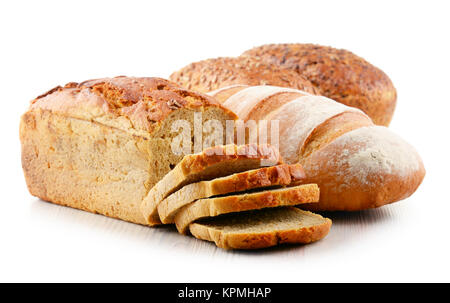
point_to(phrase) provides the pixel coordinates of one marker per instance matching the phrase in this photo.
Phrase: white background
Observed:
(46, 43)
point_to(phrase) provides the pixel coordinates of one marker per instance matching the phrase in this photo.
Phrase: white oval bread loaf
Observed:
(280, 175)
(212, 207)
(364, 168)
(262, 228)
(356, 164)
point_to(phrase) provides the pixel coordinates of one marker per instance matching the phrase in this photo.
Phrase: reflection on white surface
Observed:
(347, 227)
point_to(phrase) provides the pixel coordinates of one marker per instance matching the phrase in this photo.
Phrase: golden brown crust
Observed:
(262, 177)
(338, 74)
(280, 175)
(145, 102)
(299, 118)
(211, 74)
(258, 241)
(303, 235)
(308, 193)
(226, 153)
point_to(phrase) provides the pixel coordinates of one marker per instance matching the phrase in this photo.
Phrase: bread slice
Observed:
(262, 177)
(213, 207)
(262, 228)
(209, 164)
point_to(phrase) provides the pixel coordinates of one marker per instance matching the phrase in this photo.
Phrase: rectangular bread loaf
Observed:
(102, 144)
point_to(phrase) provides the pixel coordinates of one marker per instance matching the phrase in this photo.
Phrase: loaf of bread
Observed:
(356, 164)
(337, 74)
(101, 145)
(262, 228)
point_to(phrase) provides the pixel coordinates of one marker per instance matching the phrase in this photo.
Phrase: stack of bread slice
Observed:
(240, 197)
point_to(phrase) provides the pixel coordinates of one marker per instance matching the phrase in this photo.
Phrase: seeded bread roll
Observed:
(262, 228)
(337, 74)
(211, 74)
(100, 145)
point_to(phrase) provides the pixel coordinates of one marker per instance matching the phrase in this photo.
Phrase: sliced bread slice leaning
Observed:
(279, 175)
(262, 228)
(213, 207)
(211, 163)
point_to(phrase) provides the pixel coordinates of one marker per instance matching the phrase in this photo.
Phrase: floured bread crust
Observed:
(365, 168)
(312, 129)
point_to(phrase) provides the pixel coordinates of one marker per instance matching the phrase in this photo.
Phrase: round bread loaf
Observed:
(211, 74)
(338, 74)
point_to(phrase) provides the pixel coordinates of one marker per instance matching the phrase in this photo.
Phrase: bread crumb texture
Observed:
(262, 228)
